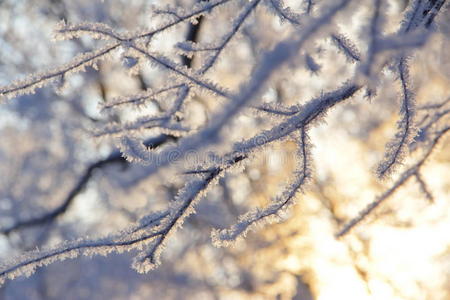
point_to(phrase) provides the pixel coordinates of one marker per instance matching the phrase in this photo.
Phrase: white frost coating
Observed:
(413, 171)
(271, 61)
(198, 9)
(277, 109)
(181, 71)
(139, 98)
(259, 217)
(164, 121)
(150, 235)
(102, 31)
(39, 80)
(307, 114)
(397, 147)
(347, 47)
(125, 241)
(99, 31)
(237, 23)
(133, 149)
(310, 112)
(277, 7)
(179, 210)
